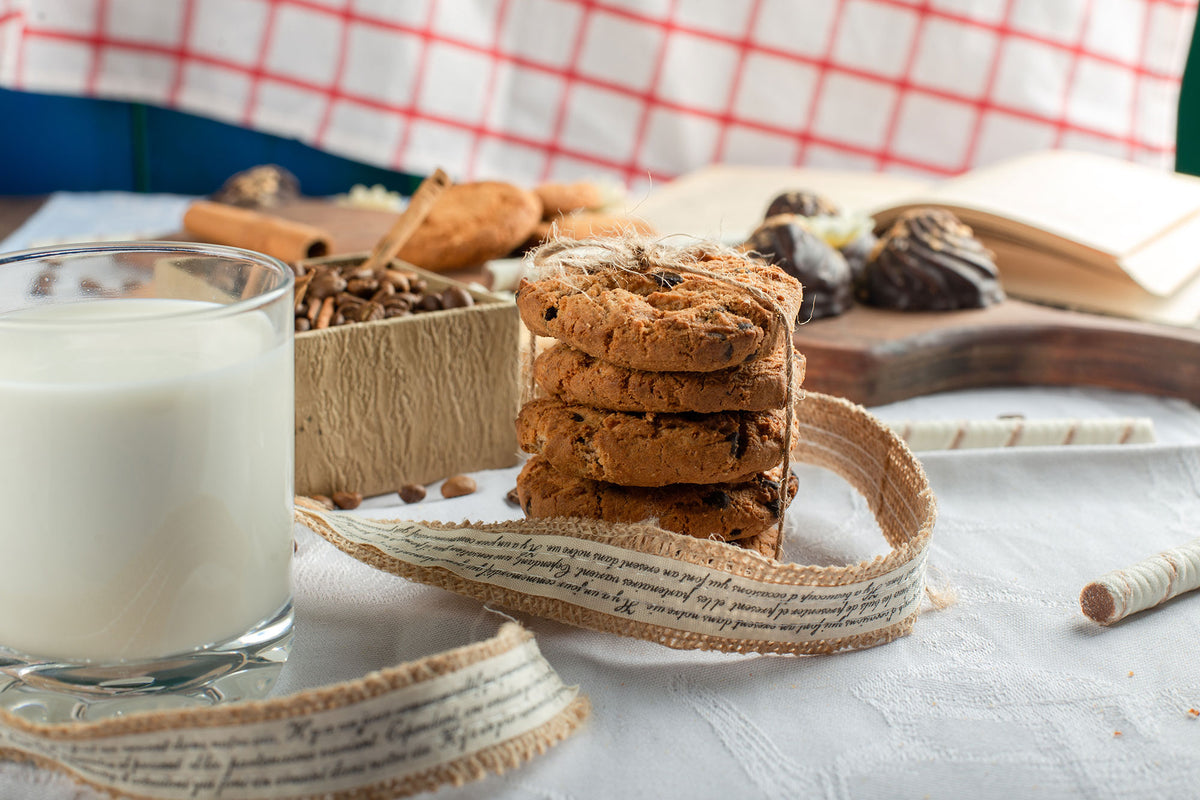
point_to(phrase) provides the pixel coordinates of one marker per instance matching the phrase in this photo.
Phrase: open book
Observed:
(1071, 229)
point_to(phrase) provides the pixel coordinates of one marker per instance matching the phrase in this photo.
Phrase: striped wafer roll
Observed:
(1017, 432)
(1146, 584)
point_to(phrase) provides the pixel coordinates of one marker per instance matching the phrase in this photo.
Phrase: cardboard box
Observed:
(410, 399)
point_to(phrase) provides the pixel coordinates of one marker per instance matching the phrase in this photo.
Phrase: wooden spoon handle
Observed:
(410, 219)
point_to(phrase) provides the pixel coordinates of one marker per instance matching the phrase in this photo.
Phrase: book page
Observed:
(1101, 204)
(1039, 277)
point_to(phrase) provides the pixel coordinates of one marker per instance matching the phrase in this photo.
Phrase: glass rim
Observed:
(213, 311)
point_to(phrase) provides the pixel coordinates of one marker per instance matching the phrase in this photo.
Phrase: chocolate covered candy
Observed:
(930, 261)
(850, 235)
(802, 202)
(786, 242)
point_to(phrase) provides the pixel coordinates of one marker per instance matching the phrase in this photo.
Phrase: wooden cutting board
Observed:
(872, 356)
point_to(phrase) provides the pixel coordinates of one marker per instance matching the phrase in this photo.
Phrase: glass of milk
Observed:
(146, 462)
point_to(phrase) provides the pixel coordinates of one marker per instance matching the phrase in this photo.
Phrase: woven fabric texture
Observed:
(632, 91)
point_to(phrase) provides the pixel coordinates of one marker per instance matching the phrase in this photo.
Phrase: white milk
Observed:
(145, 479)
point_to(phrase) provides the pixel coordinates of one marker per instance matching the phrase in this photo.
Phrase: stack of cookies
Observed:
(665, 395)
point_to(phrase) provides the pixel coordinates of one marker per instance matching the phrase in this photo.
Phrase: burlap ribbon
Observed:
(487, 707)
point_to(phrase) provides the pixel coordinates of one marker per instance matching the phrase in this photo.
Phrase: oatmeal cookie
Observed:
(575, 377)
(589, 225)
(472, 223)
(664, 320)
(634, 449)
(567, 198)
(726, 511)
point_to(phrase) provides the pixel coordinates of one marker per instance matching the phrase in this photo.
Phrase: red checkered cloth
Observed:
(633, 90)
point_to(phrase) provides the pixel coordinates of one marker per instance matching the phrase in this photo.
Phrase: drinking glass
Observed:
(146, 463)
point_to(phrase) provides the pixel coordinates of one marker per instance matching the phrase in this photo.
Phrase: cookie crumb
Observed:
(458, 486)
(1193, 713)
(1117, 733)
(1131, 673)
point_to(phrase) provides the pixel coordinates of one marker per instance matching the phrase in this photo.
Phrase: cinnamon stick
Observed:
(240, 227)
(410, 219)
(326, 314)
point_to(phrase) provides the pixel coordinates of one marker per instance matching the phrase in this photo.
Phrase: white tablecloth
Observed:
(1008, 692)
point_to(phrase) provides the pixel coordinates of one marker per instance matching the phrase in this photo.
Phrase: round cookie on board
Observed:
(472, 223)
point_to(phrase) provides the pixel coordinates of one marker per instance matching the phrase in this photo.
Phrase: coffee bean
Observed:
(456, 297)
(326, 283)
(363, 287)
(430, 302)
(370, 311)
(411, 493)
(384, 291)
(513, 498)
(364, 312)
(347, 500)
(358, 294)
(458, 486)
(398, 280)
